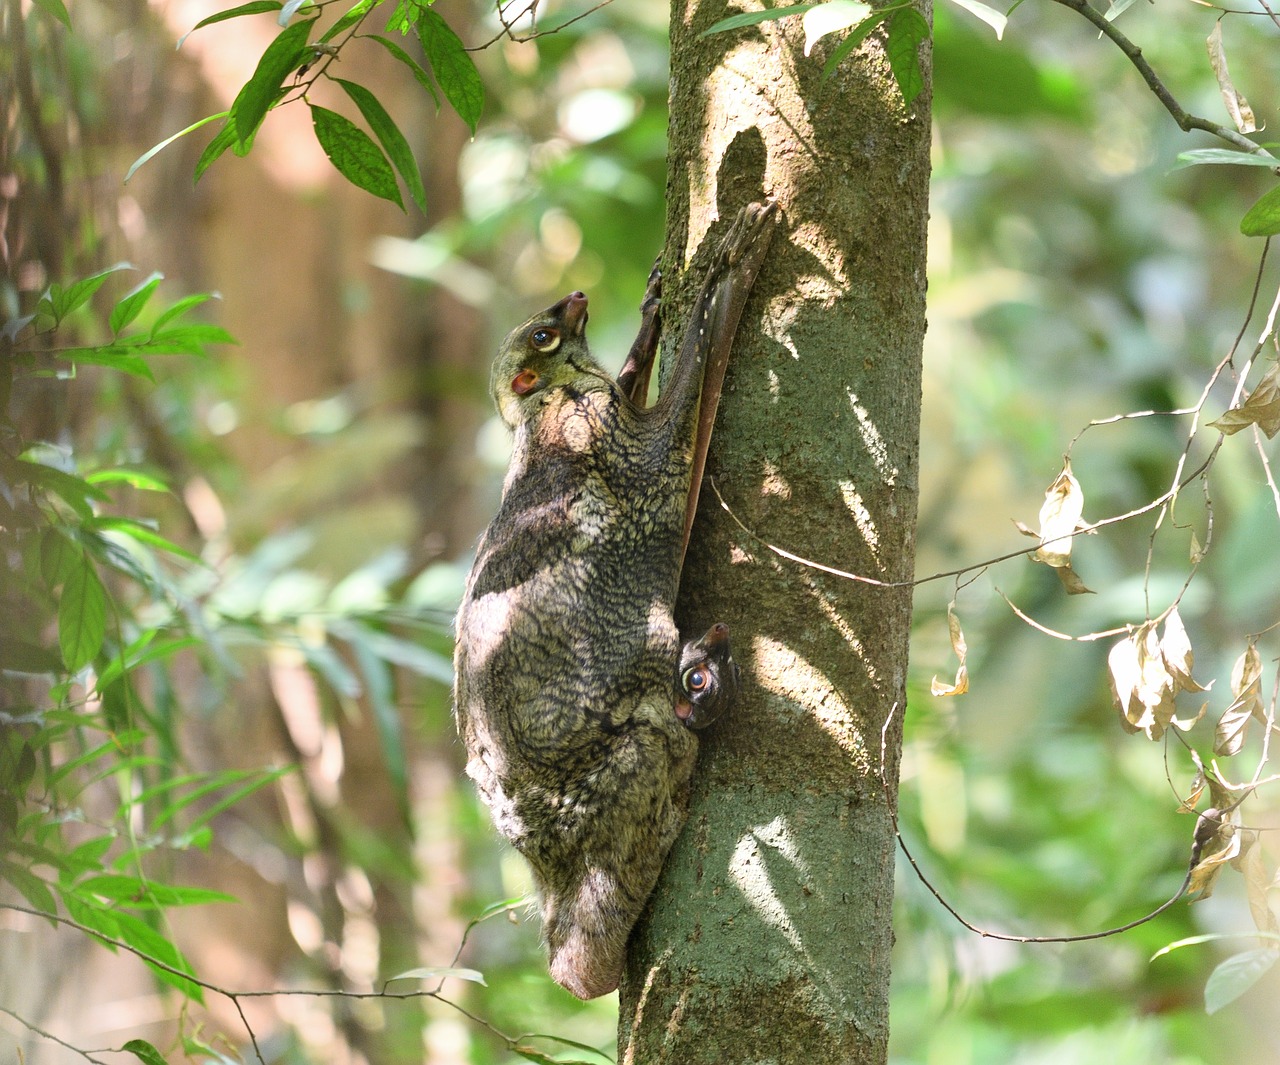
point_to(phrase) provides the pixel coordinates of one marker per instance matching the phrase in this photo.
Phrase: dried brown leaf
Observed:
(1220, 850)
(1059, 517)
(1237, 106)
(1175, 648)
(1260, 408)
(961, 649)
(1246, 689)
(1192, 800)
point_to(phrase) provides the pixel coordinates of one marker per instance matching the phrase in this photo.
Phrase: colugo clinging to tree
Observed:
(573, 693)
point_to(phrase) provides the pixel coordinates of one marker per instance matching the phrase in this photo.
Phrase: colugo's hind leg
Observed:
(634, 376)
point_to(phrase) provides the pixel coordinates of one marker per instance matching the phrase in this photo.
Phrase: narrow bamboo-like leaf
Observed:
(71, 489)
(112, 356)
(82, 617)
(1236, 975)
(55, 9)
(990, 15)
(147, 894)
(255, 7)
(354, 15)
(753, 18)
(186, 339)
(389, 135)
(180, 307)
(1263, 218)
(29, 886)
(453, 67)
(420, 75)
(130, 305)
(150, 152)
(378, 690)
(133, 478)
(154, 947)
(255, 98)
(354, 155)
(908, 29)
(144, 1052)
(142, 534)
(77, 294)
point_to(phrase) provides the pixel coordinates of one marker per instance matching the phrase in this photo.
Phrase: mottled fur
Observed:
(567, 652)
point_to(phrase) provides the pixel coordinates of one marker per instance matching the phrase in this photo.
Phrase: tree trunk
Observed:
(769, 936)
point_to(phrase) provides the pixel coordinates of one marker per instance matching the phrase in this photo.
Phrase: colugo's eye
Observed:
(544, 339)
(695, 679)
(524, 382)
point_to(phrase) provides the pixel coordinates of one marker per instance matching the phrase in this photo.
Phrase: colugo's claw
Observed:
(707, 677)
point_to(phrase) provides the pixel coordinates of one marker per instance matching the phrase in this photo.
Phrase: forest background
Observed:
(327, 475)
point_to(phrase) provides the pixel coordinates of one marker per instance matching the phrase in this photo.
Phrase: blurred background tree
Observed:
(332, 470)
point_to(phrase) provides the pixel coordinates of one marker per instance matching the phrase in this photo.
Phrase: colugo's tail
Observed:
(586, 934)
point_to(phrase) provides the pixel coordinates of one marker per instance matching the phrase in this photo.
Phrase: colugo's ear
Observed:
(526, 381)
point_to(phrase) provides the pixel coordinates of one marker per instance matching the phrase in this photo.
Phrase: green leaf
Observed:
(132, 660)
(142, 534)
(1234, 976)
(73, 491)
(80, 292)
(453, 67)
(89, 854)
(55, 9)
(255, 7)
(147, 894)
(180, 307)
(144, 1052)
(30, 886)
(113, 356)
(223, 139)
(256, 97)
(389, 135)
(130, 305)
(752, 18)
(1263, 218)
(354, 15)
(59, 557)
(186, 339)
(1228, 156)
(854, 38)
(82, 617)
(378, 690)
(908, 29)
(153, 947)
(144, 482)
(354, 155)
(405, 16)
(423, 78)
(150, 152)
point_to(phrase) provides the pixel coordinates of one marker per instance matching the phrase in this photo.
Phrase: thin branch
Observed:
(1186, 121)
(87, 1055)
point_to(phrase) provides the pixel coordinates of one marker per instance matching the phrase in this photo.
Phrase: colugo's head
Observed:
(548, 351)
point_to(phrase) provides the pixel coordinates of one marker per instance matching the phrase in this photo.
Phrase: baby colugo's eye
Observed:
(544, 339)
(695, 679)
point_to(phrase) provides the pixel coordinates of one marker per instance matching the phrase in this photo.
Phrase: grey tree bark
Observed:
(768, 939)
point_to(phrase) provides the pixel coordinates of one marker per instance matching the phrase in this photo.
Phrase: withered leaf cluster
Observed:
(1147, 670)
(1060, 520)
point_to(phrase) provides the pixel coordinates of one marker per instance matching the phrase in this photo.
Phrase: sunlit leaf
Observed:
(151, 152)
(453, 67)
(961, 649)
(1221, 850)
(289, 10)
(1237, 106)
(1257, 884)
(352, 16)
(354, 155)
(432, 972)
(1236, 975)
(253, 8)
(1060, 515)
(993, 18)
(1246, 703)
(1224, 156)
(831, 17)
